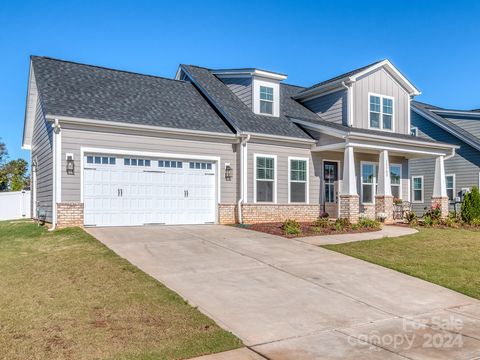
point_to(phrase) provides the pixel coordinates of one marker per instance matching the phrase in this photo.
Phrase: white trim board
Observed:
(275, 166)
(413, 190)
(307, 182)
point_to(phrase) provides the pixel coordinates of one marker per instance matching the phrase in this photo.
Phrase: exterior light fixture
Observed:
(70, 165)
(228, 172)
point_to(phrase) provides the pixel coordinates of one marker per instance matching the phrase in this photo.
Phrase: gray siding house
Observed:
(462, 170)
(116, 148)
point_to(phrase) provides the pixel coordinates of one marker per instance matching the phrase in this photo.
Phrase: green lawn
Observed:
(447, 257)
(63, 295)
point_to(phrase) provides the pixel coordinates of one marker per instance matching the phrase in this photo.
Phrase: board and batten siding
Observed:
(75, 138)
(382, 83)
(42, 153)
(331, 107)
(282, 152)
(465, 164)
(242, 87)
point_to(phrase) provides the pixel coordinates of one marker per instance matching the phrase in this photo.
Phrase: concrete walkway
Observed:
(290, 300)
(387, 231)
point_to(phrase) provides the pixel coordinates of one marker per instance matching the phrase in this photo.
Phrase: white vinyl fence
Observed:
(14, 205)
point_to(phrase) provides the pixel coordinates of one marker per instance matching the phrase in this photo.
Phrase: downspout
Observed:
(56, 130)
(451, 155)
(243, 161)
(349, 89)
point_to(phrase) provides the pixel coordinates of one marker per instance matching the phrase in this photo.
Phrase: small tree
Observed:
(3, 152)
(471, 206)
(13, 175)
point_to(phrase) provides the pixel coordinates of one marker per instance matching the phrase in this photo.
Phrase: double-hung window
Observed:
(265, 178)
(266, 100)
(450, 185)
(417, 185)
(395, 176)
(381, 112)
(298, 180)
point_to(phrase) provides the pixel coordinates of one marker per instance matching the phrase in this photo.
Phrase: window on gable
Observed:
(266, 100)
(265, 173)
(381, 112)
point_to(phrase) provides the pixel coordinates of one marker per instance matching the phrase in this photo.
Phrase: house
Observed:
(111, 147)
(462, 170)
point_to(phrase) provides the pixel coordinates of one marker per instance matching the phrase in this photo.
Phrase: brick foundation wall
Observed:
(262, 213)
(368, 211)
(69, 214)
(349, 208)
(384, 205)
(443, 201)
(227, 214)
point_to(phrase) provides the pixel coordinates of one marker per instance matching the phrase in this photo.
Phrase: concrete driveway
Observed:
(290, 300)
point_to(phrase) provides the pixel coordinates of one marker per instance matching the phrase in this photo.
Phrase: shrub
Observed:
(471, 206)
(435, 212)
(322, 223)
(291, 227)
(411, 217)
(342, 224)
(427, 220)
(475, 222)
(451, 222)
(367, 223)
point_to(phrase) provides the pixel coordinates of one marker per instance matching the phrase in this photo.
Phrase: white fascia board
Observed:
(322, 90)
(322, 128)
(30, 108)
(456, 112)
(386, 63)
(446, 128)
(386, 139)
(118, 125)
(395, 148)
(249, 72)
(278, 138)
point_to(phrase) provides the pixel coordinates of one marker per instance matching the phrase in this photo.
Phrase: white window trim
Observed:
(413, 190)
(255, 156)
(375, 181)
(381, 112)
(256, 83)
(454, 184)
(307, 182)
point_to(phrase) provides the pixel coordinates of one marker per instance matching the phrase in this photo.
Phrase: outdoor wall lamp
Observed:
(70, 164)
(228, 172)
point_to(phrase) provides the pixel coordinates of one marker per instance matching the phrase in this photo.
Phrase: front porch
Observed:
(364, 177)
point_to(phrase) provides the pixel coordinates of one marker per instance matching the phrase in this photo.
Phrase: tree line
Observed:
(13, 173)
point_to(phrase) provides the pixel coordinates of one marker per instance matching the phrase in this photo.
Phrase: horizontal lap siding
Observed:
(331, 107)
(282, 153)
(380, 82)
(42, 152)
(74, 139)
(242, 87)
(465, 164)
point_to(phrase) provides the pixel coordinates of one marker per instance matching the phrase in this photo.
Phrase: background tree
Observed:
(13, 174)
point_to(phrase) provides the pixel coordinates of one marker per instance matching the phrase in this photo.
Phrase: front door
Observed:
(330, 188)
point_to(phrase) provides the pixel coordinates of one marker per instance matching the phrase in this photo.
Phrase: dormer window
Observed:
(381, 112)
(266, 100)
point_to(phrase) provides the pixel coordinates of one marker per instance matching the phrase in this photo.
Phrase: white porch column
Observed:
(349, 204)
(349, 183)
(384, 198)
(439, 184)
(384, 182)
(439, 196)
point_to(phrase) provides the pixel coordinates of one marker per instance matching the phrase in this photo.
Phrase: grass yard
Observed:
(63, 295)
(447, 257)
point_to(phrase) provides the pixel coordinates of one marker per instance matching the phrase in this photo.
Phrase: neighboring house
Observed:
(113, 147)
(462, 171)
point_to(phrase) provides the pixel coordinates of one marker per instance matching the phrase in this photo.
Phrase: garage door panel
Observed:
(164, 191)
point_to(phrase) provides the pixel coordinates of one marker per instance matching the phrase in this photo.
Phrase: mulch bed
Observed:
(308, 229)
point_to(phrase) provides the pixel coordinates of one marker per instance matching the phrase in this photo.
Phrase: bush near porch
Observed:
(322, 226)
(64, 295)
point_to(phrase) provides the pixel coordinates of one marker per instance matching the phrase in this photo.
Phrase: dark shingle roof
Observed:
(344, 75)
(239, 114)
(470, 130)
(92, 92)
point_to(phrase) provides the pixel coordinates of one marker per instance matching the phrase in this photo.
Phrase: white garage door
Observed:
(123, 191)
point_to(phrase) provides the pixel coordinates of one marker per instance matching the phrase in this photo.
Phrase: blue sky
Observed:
(436, 44)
